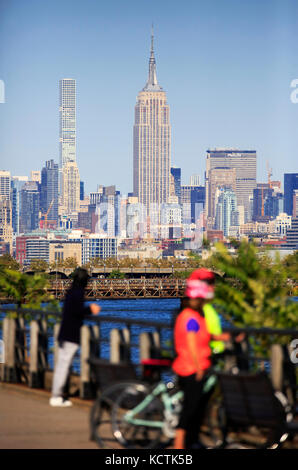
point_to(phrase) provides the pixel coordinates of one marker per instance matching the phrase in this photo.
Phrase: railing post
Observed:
(149, 345)
(9, 373)
(119, 346)
(276, 374)
(89, 347)
(33, 367)
(38, 353)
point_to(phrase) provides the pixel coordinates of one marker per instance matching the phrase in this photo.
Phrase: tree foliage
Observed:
(38, 265)
(253, 290)
(7, 261)
(25, 290)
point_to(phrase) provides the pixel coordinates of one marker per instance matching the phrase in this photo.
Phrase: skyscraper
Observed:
(290, 184)
(29, 210)
(194, 197)
(218, 178)
(17, 184)
(49, 190)
(5, 222)
(70, 187)
(245, 163)
(67, 112)
(226, 211)
(152, 137)
(5, 184)
(176, 177)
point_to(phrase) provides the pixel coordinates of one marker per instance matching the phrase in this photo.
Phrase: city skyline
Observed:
(209, 85)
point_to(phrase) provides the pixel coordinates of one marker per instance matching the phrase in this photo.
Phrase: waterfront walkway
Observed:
(28, 422)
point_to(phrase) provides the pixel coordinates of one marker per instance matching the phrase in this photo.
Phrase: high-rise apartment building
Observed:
(176, 182)
(290, 184)
(29, 207)
(49, 191)
(17, 183)
(5, 222)
(226, 211)
(245, 164)
(224, 177)
(152, 142)
(193, 202)
(295, 204)
(67, 112)
(70, 188)
(5, 184)
(292, 235)
(267, 202)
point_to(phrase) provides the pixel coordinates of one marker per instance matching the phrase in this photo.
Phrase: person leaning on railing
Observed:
(74, 312)
(192, 346)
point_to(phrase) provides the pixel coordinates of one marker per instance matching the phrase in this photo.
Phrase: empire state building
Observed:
(151, 142)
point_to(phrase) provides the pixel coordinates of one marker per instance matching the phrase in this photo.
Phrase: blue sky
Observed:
(226, 66)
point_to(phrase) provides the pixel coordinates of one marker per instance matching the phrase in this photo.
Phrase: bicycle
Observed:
(146, 418)
(150, 413)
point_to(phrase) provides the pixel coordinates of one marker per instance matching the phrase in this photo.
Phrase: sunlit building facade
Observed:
(152, 142)
(67, 112)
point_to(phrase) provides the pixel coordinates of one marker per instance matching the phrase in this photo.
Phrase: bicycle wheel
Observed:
(100, 414)
(130, 433)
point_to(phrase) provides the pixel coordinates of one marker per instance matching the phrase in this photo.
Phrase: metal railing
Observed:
(28, 335)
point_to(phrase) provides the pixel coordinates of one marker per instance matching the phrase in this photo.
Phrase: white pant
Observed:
(65, 357)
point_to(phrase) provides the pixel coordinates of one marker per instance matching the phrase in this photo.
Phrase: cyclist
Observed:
(192, 345)
(211, 315)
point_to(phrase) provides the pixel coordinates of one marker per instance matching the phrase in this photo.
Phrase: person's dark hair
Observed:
(79, 278)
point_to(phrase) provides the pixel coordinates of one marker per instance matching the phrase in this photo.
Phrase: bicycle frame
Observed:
(168, 401)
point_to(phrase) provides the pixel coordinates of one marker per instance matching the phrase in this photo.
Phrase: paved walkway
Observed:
(28, 422)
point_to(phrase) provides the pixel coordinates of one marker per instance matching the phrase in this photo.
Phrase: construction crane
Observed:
(46, 214)
(269, 172)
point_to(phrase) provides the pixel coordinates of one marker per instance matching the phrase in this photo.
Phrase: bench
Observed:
(250, 400)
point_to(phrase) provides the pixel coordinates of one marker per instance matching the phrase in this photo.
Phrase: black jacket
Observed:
(74, 312)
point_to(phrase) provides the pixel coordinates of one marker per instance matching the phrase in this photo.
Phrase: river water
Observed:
(160, 310)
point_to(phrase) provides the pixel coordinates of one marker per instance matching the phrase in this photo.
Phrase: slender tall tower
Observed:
(152, 141)
(67, 112)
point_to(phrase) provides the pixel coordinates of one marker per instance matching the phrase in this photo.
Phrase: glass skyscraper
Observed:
(49, 190)
(290, 184)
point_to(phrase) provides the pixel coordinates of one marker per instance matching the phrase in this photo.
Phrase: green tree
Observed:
(254, 289)
(7, 261)
(70, 263)
(38, 265)
(290, 263)
(116, 274)
(25, 290)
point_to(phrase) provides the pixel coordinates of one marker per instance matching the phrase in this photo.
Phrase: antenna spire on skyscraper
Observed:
(152, 39)
(152, 83)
